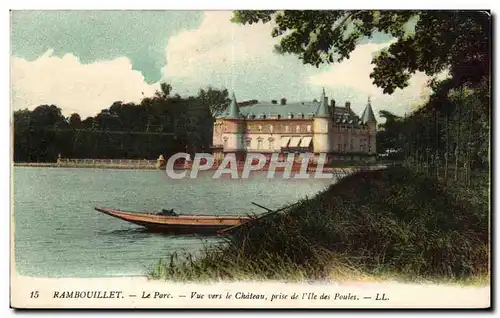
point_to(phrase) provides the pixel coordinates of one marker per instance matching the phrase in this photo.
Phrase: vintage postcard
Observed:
(250, 159)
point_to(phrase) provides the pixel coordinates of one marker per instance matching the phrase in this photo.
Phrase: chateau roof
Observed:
(323, 106)
(269, 110)
(368, 115)
(233, 109)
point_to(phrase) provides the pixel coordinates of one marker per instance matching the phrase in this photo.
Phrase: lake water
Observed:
(58, 232)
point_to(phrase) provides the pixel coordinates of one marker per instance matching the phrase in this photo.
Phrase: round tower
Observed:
(234, 128)
(368, 118)
(322, 123)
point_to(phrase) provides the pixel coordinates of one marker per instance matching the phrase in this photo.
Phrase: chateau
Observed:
(278, 127)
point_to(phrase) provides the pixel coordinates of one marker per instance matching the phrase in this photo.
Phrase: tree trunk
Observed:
(429, 143)
(436, 158)
(447, 150)
(457, 147)
(469, 147)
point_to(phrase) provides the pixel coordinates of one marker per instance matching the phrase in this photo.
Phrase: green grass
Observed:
(372, 225)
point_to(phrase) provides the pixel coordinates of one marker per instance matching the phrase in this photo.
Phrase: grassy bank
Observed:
(371, 225)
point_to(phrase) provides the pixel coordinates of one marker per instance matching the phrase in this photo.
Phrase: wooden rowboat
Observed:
(179, 224)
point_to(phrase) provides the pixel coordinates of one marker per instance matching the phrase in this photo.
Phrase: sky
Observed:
(83, 61)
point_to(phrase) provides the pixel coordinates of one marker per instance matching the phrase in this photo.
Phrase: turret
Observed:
(234, 109)
(233, 123)
(368, 118)
(323, 106)
(322, 123)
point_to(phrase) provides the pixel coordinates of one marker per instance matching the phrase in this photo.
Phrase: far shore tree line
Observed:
(162, 124)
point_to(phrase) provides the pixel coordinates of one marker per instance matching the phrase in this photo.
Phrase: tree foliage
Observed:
(453, 127)
(216, 99)
(162, 124)
(424, 41)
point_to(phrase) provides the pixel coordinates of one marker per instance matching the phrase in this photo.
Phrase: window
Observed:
(308, 128)
(297, 128)
(271, 128)
(225, 142)
(259, 128)
(271, 143)
(287, 128)
(339, 147)
(248, 142)
(259, 143)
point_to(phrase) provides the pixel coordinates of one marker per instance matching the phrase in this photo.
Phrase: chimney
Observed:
(283, 101)
(274, 101)
(348, 106)
(332, 107)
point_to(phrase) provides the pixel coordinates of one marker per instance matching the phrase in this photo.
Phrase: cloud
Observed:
(240, 57)
(97, 35)
(73, 86)
(217, 53)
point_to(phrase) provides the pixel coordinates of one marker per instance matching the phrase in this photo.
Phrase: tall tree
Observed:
(216, 99)
(75, 121)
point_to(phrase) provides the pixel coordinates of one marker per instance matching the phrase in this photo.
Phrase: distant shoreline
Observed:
(100, 165)
(135, 166)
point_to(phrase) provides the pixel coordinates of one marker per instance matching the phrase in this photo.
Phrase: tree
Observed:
(458, 41)
(390, 134)
(75, 121)
(217, 100)
(165, 90)
(47, 116)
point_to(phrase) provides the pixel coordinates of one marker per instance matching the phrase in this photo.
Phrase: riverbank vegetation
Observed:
(392, 223)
